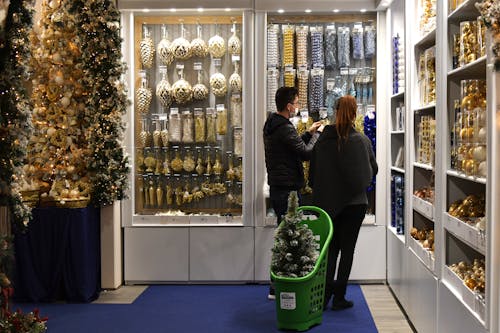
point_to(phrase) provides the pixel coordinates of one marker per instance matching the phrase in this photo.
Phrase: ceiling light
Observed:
(173, 10)
(145, 10)
(308, 10)
(336, 10)
(362, 10)
(281, 11)
(227, 9)
(200, 10)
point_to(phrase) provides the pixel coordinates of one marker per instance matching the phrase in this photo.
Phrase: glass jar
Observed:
(221, 120)
(188, 164)
(174, 126)
(236, 112)
(187, 126)
(468, 42)
(177, 163)
(211, 116)
(238, 141)
(199, 125)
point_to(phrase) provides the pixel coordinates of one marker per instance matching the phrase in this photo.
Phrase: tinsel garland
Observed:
(370, 127)
(490, 13)
(15, 116)
(98, 25)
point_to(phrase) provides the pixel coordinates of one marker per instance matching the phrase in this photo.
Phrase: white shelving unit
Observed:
(422, 281)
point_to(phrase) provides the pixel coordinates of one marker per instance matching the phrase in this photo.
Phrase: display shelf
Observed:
(395, 232)
(393, 168)
(425, 256)
(427, 40)
(472, 300)
(475, 69)
(463, 11)
(453, 173)
(428, 107)
(399, 95)
(466, 233)
(397, 132)
(423, 207)
(423, 166)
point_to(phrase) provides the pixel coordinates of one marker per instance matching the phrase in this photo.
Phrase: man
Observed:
(285, 150)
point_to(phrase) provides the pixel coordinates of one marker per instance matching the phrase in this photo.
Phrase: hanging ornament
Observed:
(198, 46)
(218, 84)
(200, 91)
(163, 89)
(181, 46)
(164, 48)
(182, 90)
(235, 80)
(216, 46)
(234, 43)
(143, 95)
(146, 48)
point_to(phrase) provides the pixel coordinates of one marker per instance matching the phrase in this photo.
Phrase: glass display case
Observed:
(188, 129)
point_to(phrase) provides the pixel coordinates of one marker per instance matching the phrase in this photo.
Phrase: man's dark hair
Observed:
(285, 95)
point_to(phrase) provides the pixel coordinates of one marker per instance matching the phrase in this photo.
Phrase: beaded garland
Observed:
(331, 47)
(317, 54)
(272, 46)
(343, 46)
(302, 33)
(288, 45)
(316, 90)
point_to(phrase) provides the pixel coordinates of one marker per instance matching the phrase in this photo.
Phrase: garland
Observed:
(15, 108)
(98, 28)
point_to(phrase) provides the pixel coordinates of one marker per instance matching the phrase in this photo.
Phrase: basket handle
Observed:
(315, 209)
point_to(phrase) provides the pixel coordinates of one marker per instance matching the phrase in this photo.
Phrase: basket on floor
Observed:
(299, 301)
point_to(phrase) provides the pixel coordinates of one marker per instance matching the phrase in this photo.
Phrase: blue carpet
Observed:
(195, 308)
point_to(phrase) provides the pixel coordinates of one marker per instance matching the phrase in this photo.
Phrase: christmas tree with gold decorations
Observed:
(58, 151)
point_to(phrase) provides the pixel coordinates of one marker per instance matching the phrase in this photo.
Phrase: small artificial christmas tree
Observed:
(295, 249)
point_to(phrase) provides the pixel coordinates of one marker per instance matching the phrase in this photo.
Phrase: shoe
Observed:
(272, 294)
(341, 304)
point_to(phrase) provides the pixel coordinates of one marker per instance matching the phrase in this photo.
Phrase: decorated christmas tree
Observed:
(15, 116)
(295, 249)
(75, 154)
(58, 152)
(98, 28)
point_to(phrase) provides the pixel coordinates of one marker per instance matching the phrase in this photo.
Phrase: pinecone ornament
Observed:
(147, 49)
(143, 97)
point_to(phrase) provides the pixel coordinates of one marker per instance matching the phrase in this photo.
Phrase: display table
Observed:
(59, 258)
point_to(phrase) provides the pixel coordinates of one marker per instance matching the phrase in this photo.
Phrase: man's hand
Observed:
(314, 127)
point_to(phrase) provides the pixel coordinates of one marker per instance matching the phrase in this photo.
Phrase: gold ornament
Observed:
(216, 46)
(218, 84)
(147, 49)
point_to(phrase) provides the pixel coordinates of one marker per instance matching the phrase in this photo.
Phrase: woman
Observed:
(342, 166)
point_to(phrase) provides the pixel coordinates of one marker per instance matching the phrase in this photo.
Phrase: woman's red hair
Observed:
(346, 114)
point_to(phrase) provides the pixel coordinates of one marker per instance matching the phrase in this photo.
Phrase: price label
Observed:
(302, 69)
(174, 110)
(288, 301)
(179, 65)
(344, 71)
(330, 84)
(353, 71)
(220, 107)
(162, 117)
(235, 57)
(217, 62)
(197, 66)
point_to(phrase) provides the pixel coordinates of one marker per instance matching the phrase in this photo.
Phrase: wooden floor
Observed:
(385, 311)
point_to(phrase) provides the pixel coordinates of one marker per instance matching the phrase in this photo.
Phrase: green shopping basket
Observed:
(299, 301)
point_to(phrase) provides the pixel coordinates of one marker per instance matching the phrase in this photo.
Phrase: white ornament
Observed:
(164, 92)
(482, 169)
(234, 45)
(181, 48)
(218, 84)
(164, 51)
(199, 48)
(479, 153)
(200, 92)
(182, 91)
(216, 46)
(147, 52)
(235, 82)
(144, 96)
